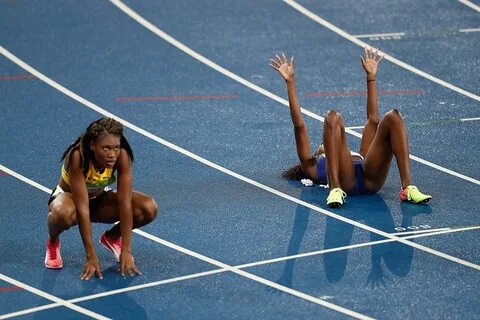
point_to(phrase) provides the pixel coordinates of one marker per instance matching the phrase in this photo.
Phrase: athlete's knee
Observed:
(333, 118)
(149, 210)
(62, 215)
(393, 119)
(394, 115)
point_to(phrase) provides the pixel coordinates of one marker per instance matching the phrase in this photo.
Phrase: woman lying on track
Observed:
(83, 196)
(333, 163)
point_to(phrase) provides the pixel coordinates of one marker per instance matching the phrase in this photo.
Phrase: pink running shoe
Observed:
(114, 246)
(53, 260)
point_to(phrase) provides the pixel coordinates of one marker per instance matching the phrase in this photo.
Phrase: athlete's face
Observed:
(106, 149)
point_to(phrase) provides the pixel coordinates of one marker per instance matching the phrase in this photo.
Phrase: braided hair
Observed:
(95, 130)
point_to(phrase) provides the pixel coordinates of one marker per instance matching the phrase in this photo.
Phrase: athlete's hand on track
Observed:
(127, 265)
(91, 267)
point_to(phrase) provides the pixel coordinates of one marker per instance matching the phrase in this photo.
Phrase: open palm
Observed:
(370, 60)
(285, 68)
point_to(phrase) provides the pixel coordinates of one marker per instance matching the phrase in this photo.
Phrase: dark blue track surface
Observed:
(101, 54)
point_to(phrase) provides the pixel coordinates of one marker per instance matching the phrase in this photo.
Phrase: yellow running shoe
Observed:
(412, 194)
(336, 198)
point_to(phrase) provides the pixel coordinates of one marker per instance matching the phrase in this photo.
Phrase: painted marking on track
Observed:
(174, 98)
(401, 35)
(17, 77)
(381, 36)
(426, 233)
(470, 4)
(358, 36)
(362, 44)
(470, 119)
(9, 289)
(355, 128)
(470, 30)
(149, 26)
(2, 173)
(427, 123)
(361, 93)
(424, 230)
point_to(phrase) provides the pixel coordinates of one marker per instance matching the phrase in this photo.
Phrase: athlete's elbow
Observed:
(373, 120)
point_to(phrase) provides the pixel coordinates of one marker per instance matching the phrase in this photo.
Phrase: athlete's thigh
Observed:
(64, 205)
(346, 167)
(377, 160)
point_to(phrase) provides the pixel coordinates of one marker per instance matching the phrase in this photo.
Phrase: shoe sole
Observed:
(425, 201)
(51, 267)
(420, 202)
(335, 205)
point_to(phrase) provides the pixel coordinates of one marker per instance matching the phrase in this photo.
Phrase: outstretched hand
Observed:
(370, 61)
(285, 68)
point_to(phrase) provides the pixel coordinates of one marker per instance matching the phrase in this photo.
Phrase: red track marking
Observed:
(173, 98)
(16, 77)
(360, 93)
(7, 289)
(2, 173)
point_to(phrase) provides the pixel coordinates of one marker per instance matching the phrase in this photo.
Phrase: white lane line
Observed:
(25, 179)
(433, 232)
(470, 4)
(401, 34)
(222, 265)
(135, 16)
(362, 44)
(355, 128)
(213, 165)
(470, 30)
(470, 119)
(375, 35)
(50, 297)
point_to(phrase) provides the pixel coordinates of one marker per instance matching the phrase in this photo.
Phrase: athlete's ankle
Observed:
(53, 239)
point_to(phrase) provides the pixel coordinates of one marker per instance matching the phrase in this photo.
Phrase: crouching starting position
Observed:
(83, 195)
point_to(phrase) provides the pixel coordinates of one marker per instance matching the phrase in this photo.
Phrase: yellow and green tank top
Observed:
(95, 180)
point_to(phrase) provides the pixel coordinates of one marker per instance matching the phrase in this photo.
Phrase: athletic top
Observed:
(357, 163)
(95, 180)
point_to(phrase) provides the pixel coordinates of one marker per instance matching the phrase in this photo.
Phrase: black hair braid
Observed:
(294, 173)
